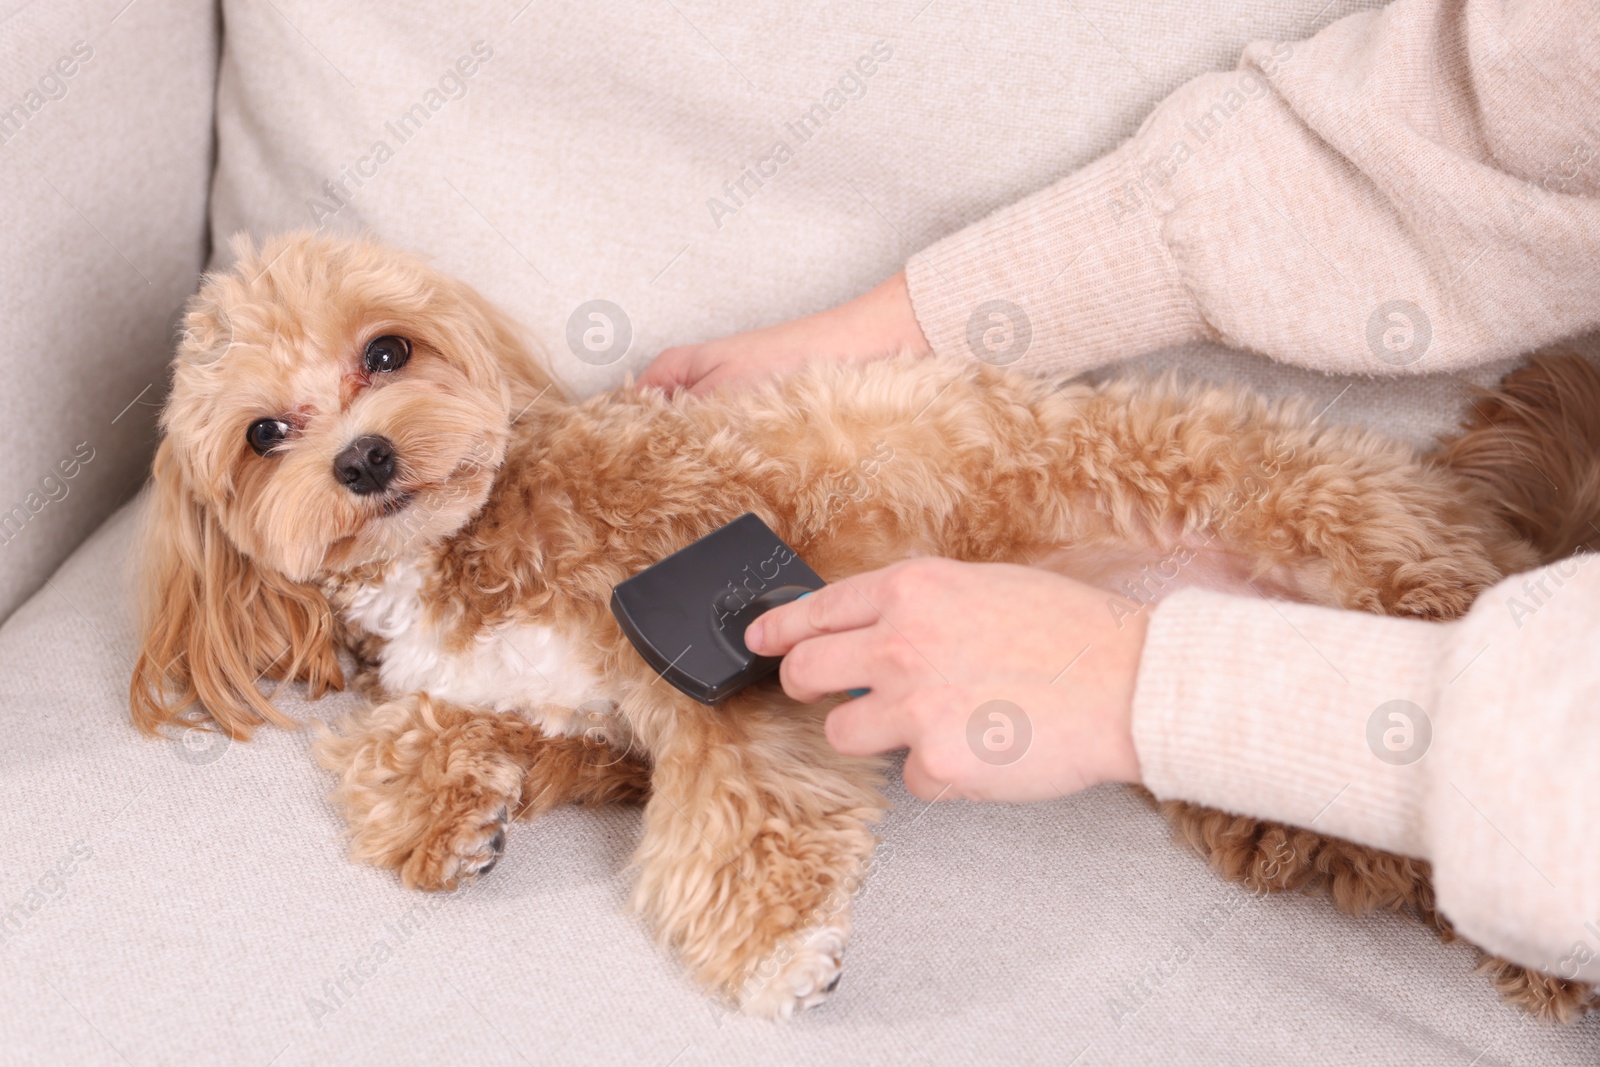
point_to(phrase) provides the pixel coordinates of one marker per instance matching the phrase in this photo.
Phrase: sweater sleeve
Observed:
(1471, 744)
(1414, 189)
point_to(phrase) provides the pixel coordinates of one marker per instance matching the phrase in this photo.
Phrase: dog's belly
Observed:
(529, 669)
(1149, 575)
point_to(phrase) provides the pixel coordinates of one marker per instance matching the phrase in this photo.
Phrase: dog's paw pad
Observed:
(810, 972)
(460, 851)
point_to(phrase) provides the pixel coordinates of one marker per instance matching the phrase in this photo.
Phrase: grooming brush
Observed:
(687, 614)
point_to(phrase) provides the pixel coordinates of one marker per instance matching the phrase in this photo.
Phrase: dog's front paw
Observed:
(425, 787)
(458, 848)
(800, 974)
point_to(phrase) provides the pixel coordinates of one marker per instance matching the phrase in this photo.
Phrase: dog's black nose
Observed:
(366, 465)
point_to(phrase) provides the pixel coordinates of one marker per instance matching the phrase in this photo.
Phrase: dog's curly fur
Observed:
(473, 591)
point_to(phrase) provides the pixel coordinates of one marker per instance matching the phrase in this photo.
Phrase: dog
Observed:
(362, 458)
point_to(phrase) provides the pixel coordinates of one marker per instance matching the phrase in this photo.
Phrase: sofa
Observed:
(188, 899)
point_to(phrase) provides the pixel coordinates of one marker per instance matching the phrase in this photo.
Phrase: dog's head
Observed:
(334, 404)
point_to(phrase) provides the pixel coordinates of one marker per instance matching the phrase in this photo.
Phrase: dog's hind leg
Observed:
(428, 787)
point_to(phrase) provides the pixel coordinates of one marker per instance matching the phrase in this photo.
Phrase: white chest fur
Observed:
(516, 668)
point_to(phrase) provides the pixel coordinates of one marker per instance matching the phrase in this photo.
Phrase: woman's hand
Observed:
(877, 323)
(1005, 682)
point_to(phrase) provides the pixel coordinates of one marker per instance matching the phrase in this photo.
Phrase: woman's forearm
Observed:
(1470, 744)
(1412, 190)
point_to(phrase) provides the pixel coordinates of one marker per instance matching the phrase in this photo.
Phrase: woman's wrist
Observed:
(1124, 656)
(882, 321)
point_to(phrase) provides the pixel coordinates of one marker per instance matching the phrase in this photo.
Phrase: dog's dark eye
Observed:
(266, 434)
(387, 353)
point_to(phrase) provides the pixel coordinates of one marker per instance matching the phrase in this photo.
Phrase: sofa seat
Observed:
(189, 901)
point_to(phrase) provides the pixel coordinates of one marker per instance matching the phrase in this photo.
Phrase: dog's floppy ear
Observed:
(526, 368)
(214, 623)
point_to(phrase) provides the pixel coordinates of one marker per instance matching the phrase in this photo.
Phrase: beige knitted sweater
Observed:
(1413, 190)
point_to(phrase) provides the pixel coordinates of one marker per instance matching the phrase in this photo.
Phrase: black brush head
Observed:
(687, 614)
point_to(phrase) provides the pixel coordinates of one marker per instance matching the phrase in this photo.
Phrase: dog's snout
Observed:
(366, 465)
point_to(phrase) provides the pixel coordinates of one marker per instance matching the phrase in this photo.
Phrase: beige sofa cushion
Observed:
(105, 157)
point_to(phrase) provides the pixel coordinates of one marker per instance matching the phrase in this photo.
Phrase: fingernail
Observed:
(753, 636)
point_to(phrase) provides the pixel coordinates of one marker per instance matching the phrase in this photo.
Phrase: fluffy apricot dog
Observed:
(361, 457)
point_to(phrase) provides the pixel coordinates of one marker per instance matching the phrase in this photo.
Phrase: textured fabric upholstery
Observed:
(105, 159)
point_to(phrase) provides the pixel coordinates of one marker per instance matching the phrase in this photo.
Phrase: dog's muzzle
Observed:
(366, 465)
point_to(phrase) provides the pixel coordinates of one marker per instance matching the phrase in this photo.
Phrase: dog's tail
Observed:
(1531, 447)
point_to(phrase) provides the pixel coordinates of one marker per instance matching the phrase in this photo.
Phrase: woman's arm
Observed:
(1412, 190)
(1473, 744)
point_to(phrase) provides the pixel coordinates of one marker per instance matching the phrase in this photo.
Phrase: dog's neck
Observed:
(587, 494)
(492, 568)
(479, 617)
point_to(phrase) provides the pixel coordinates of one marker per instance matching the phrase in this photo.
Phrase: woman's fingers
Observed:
(920, 783)
(719, 375)
(868, 726)
(681, 367)
(831, 609)
(831, 663)
(667, 371)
